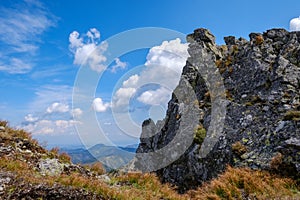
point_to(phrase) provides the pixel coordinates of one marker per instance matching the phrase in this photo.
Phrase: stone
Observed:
(105, 178)
(50, 167)
(255, 76)
(293, 142)
(230, 40)
(204, 35)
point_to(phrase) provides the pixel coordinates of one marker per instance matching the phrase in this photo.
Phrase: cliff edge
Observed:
(247, 97)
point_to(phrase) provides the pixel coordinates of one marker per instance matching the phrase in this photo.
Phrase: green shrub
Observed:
(200, 134)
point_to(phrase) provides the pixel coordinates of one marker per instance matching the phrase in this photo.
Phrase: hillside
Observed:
(28, 171)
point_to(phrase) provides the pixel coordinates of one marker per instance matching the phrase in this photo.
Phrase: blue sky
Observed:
(40, 60)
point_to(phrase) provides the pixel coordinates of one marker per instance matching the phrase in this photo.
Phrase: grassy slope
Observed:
(235, 183)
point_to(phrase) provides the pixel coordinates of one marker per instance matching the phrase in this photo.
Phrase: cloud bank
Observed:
(52, 115)
(163, 67)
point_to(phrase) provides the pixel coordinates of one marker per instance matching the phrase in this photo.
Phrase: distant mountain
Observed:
(130, 148)
(111, 157)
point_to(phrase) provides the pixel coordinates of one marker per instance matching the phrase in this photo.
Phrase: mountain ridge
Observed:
(112, 157)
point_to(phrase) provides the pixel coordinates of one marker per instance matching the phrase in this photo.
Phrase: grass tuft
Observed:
(244, 183)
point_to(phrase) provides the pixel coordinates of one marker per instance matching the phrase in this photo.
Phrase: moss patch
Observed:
(199, 134)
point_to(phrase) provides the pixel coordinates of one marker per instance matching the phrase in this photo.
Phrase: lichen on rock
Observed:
(262, 100)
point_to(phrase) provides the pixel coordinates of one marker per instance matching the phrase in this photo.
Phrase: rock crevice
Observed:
(260, 94)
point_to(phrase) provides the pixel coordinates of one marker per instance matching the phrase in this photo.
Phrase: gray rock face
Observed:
(248, 109)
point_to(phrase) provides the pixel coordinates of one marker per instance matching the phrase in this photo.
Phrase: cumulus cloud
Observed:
(132, 81)
(77, 112)
(163, 67)
(123, 95)
(21, 28)
(155, 97)
(295, 24)
(119, 65)
(57, 107)
(40, 127)
(46, 126)
(99, 106)
(46, 95)
(57, 118)
(30, 118)
(75, 41)
(170, 54)
(87, 50)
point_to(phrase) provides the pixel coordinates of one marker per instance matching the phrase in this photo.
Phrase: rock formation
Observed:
(247, 113)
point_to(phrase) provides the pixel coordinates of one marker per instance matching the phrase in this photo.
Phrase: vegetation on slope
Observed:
(21, 165)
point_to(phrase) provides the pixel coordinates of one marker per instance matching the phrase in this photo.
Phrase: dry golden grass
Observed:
(234, 183)
(97, 168)
(259, 40)
(238, 148)
(132, 186)
(3, 123)
(147, 186)
(276, 161)
(237, 183)
(64, 157)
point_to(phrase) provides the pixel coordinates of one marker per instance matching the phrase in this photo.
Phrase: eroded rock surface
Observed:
(260, 126)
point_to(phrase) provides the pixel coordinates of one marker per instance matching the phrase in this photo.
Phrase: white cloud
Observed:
(44, 130)
(46, 126)
(75, 41)
(57, 117)
(51, 104)
(30, 118)
(295, 24)
(123, 95)
(155, 97)
(132, 81)
(93, 33)
(77, 112)
(62, 123)
(170, 54)
(40, 127)
(58, 108)
(21, 27)
(87, 50)
(47, 94)
(163, 67)
(119, 65)
(15, 66)
(99, 106)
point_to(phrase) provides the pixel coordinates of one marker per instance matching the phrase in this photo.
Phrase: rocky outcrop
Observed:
(247, 110)
(18, 151)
